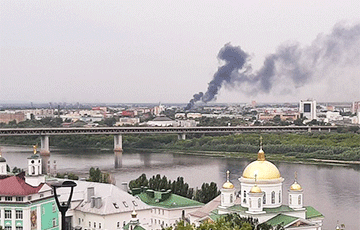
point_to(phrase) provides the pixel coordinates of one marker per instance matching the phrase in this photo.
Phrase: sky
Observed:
(166, 51)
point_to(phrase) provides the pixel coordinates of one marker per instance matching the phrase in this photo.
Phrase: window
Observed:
(244, 197)
(264, 198)
(118, 224)
(94, 224)
(135, 204)
(99, 225)
(290, 200)
(8, 198)
(231, 198)
(163, 211)
(116, 206)
(125, 204)
(273, 197)
(54, 222)
(7, 214)
(89, 223)
(259, 203)
(279, 196)
(41, 194)
(19, 198)
(18, 214)
(29, 197)
(79, 221)
(53, 207)
(250, 203)
(299, 199)
(19, 228)
(7, 227)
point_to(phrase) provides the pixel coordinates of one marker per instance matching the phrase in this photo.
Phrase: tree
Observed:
(227, 222)
(140, 181)
(207, 192)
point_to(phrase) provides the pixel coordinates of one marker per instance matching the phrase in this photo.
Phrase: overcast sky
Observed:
(162, 51)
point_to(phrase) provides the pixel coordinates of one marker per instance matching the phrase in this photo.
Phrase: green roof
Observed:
(312, 213)
(281, 219)
(169, 201)
(137, 227)
(282, 208)
(34, 156)
(237, 208)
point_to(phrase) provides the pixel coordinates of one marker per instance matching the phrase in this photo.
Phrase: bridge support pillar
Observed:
(118, 150)
(45, 154)
(182, 136)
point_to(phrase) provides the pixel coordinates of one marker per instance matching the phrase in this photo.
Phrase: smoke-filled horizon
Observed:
(291, 66)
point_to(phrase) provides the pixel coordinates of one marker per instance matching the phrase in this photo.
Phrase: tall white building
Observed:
(308, 109)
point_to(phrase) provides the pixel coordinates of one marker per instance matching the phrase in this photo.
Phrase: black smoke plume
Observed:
(291, 66)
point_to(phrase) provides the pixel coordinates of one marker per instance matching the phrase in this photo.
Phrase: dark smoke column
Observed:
(235, 59)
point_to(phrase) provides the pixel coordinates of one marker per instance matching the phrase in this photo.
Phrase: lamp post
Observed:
(64, 206)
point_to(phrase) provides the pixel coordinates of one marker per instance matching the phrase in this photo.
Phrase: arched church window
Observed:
(33, 170)
(264, 198)
(279, 196)
(231, 198)
(299, 199)
(244, 197)
(250, 203)
(259, 202)
(290, 200)
(273, 197)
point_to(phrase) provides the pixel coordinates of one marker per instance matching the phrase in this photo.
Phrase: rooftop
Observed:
(167, 200)
(16, 186)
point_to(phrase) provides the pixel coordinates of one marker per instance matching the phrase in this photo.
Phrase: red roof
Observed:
(16, 186)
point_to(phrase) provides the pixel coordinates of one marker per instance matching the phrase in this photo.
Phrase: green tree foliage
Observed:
(70, 176)
(227, 222)
(207, 192)
(17, 170)
(178, 186)
(139, 182)
(95, 175)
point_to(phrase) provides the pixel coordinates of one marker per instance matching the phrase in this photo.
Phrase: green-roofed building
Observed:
(260, 197)
(167, 208)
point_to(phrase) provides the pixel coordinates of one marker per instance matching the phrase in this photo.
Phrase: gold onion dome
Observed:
(295, 186)
(264, 169)
(227, 184)
(255, 189)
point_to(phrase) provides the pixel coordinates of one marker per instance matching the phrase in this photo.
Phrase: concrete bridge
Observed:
(45, 133)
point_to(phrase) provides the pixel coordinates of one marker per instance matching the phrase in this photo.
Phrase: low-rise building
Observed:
(167, 208)
(26, 201)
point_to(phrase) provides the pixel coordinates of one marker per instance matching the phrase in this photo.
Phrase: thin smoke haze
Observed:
(291, 66)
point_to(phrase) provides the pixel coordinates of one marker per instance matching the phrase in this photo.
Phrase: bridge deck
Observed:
(159, 130)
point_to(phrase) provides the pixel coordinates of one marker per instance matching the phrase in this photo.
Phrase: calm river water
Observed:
(332, 189)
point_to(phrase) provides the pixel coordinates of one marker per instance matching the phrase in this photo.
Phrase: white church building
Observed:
(261, 191)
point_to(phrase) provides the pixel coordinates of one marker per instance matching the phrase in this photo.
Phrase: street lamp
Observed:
(64, 206)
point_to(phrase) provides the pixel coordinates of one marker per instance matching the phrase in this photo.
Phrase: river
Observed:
(334, 190)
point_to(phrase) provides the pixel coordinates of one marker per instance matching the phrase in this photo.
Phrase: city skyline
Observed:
(140, 52)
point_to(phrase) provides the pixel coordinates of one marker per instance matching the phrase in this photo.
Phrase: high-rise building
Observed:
(308, 109)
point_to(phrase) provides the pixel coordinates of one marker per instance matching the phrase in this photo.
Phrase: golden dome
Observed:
(228, 184)
(295, 187)
(255, 189)
(263, 169)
